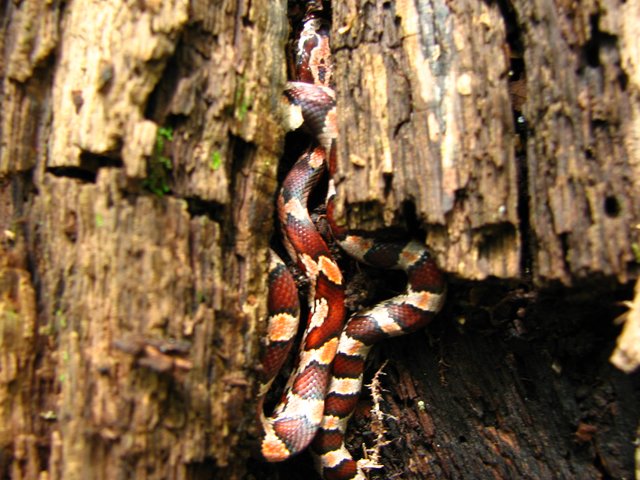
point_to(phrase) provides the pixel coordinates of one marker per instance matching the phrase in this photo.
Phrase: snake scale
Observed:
(323, 389)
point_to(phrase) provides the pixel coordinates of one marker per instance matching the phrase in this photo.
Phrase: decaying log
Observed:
(139, 148)
(512, 131)
(428, 82)
(139, 144)
(582, 154)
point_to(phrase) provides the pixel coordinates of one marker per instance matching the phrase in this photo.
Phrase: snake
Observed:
(322, 392)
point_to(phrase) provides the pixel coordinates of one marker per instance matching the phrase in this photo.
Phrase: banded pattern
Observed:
(298, 417)
(313, 52)
(284, 315)
(397, 316)
(322, 392)
(315, 106)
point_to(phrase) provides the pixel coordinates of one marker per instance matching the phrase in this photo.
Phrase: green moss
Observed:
(243, 109)
(241, 101)
(159, 166)
(164, 132)
(216, 161)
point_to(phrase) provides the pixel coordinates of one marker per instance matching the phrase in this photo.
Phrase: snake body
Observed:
(324, 388)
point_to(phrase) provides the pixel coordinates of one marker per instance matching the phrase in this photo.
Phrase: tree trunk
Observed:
(138, 166)
(139, 151)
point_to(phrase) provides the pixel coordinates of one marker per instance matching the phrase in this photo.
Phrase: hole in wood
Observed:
(611, 206)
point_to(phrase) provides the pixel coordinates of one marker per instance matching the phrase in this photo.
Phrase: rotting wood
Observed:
(533, 412)
(429, 83)
(102, 83)
(426, 120)
(138, 152)
(494, 386)
(18, 317)
(581, 157)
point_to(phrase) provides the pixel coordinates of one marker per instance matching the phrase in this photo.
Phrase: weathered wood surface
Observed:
(138, 149)
(138, 156)
(582, 152)
(428, 82)
(500, 391)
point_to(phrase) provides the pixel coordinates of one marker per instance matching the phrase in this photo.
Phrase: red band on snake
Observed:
(324, 388)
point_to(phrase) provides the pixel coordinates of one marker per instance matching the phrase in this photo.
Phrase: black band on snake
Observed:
(324, 388)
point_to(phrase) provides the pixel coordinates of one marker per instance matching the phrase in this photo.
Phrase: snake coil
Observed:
(323, 390)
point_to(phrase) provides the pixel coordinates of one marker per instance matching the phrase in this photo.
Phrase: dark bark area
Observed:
(137, 177)
(538, 185)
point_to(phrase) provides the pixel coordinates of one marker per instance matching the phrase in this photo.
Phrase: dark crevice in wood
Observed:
(564, 245)
(526, 255)
(517, 78)
(514, 33)
(200, 208)
(612, 206)
(204, 470)
(410, 215)
(242, 153)
(93, 162)
(388, 184)
(598, 40)
(180, 65)
(74, 172)
(295, 144)
(623, 80)
(493, 238)
(597, 123)
(161, 95)
(404, 122)
(88, 169)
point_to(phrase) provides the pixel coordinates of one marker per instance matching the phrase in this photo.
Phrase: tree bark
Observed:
(139, 151)
(138, 156)
(511, 129)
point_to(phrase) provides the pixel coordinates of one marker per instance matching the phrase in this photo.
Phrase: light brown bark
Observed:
(139, 149)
